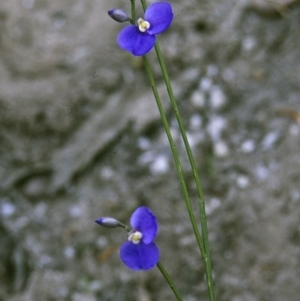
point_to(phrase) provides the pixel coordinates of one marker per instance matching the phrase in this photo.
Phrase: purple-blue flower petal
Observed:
(160, 16)
(144, 221)
(139, 256)
(134, 41)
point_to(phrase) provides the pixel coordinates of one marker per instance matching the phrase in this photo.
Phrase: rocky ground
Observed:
(80, 138)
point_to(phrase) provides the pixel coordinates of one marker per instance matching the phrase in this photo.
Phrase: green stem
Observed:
(169, 280)
(132, 11)
(175, 156)
(206, 252)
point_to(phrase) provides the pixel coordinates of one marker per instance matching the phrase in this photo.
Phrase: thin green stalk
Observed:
(206, 253)
(170, 281)
(183, 134)
(175, 155)
(132, 11)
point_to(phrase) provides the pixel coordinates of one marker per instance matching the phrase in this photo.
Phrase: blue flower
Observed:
(140, 252)
(140, 39)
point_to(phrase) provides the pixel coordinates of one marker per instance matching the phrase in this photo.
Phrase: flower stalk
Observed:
(206, 252)
(175, 155)
(203, 242)
(132, 2)
(169, 281)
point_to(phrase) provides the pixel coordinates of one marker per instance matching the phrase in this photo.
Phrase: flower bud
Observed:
(108, 222)
(118, 15)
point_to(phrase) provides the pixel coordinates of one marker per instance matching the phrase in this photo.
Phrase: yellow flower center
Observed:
(143, 25)
(135, 237)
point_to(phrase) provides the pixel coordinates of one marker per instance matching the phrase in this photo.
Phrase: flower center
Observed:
(143, 25)
(135, 237)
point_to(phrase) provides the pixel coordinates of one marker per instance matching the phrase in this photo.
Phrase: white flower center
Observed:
(143, 25)
(135, 237)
